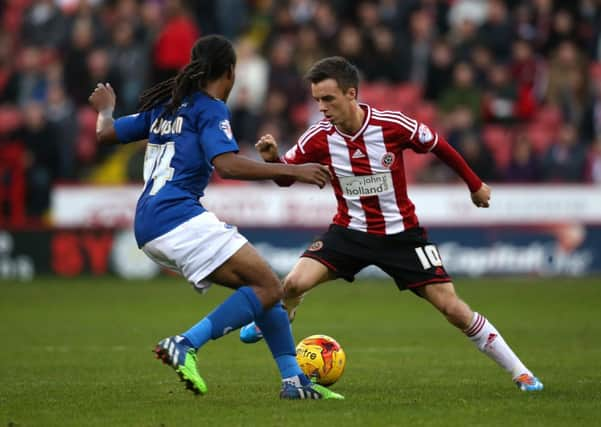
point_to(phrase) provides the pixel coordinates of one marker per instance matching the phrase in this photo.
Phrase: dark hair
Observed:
(211, 57)
(337, 68)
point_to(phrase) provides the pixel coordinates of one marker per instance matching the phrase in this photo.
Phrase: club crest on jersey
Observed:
(224, 125)
(424, 134)
(387, 160)
(315, 246)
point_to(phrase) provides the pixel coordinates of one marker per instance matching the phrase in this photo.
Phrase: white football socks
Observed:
(490, 342)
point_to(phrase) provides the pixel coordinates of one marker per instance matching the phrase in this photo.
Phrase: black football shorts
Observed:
(408, 257)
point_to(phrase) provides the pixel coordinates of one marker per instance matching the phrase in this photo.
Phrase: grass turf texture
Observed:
(78, 353)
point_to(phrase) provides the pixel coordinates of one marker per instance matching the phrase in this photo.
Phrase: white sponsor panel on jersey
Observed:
(354, 187)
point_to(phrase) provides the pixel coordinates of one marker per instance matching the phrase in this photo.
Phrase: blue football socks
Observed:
(276, 330)
(240, 308)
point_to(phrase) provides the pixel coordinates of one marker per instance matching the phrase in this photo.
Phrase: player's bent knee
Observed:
(295, 285)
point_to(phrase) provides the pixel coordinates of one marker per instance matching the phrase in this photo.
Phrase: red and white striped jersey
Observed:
(369, 175)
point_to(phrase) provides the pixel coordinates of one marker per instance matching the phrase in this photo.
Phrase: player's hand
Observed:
(268, 148)
(481, 197)
(312, 173)
(103, 98)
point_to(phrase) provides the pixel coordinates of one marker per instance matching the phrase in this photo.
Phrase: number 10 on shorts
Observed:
(428, 256)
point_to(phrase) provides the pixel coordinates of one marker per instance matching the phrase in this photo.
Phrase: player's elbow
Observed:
(284, 182)
(228, 166)
(106, 137)
(226, 171)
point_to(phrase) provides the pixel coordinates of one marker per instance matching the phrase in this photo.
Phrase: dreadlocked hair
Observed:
(212, 56)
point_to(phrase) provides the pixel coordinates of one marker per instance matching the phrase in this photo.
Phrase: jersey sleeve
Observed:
(134, 127)
(215, 132)
(422, 139)
(306, 150)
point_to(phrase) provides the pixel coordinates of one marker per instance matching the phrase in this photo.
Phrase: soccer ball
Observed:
(321, 358)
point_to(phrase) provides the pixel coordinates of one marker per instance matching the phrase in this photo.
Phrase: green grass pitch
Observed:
(78, 353)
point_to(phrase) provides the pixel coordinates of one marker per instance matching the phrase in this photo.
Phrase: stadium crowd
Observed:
(515, 85)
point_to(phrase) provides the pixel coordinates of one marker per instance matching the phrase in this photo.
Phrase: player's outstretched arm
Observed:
(103, 100)
(234, 166)
(480, 192)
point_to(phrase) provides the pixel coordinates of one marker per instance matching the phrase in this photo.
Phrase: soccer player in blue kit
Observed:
(187, 126)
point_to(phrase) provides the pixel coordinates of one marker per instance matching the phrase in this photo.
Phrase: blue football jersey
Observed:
(177, 164)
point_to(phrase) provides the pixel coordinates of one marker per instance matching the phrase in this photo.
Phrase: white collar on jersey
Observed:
(366, 120)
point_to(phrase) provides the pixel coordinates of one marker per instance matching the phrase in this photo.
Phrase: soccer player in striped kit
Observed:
(375, 223)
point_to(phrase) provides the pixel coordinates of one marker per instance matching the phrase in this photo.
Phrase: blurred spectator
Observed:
(464, 36)
(100, 69)
(43, 25)
(308, 49)
(523, 22)
(283, 76)
(368, 16)
(565, 159)
(30, 83)
(384, 64)
(302, 11)
(543, 21)
(248, 94)
(60, 113)
(284, 24)
(151, 15)
(593, 163)
(497, 30)
(205, 13)
(276, 110)
(252, 72)
(524, 164)
(567, 86)
(43, 157)
(503, 102)
(391, 13)
(440, 70)
(232, 16)
(478, 156)
(563, 29)
(421, 38)
(525, 67)
(84, 10)
(128, 11)
(130, 60)
(350, 44)
(462, 92)
(482, 60)
(327, 25)
(172, 47)
(590, 27)
(76, 69)
(459, 122)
